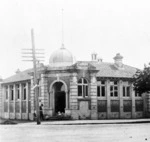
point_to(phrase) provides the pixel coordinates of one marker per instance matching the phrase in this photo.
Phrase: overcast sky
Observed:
(104, 26)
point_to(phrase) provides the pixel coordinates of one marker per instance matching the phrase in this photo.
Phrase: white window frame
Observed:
(18, 91)
(126, 91)
(138, 95)
(11, 93)
(113, 85)
(6, 92)
(101, 85)
(84, 86)
(24, 89)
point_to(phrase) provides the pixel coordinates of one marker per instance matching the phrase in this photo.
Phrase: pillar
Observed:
(133, 100)
(120, 88)
(3, 98)
(44, 93)
(1, 102)
(51, 103)
(66, 92)
(8, 101)
(27, 99)
(93, 93)
(51, 100)
(108, 98)
(67, 110)
(20, 92)
(73, 103)
(148, 104)
(14, 88)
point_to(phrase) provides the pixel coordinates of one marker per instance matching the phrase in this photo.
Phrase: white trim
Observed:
(66, 88)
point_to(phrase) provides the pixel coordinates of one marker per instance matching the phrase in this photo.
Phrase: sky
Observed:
(106, 27)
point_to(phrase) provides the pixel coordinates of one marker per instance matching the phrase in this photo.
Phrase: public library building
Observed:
(83, 90)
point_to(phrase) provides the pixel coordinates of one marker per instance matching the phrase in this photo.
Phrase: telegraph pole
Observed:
(35, 78)
(33, 58)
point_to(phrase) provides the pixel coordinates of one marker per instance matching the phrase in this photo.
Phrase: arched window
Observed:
(82, 87)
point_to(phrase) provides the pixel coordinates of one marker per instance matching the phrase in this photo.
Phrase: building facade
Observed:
(83, 90)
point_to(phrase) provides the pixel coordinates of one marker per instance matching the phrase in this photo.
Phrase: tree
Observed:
(142, 80)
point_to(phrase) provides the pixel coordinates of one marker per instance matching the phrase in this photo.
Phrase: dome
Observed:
(60, 58)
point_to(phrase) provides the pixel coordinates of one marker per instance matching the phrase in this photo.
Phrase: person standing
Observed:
(41, 112)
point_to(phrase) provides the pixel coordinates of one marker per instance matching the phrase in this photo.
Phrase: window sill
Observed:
(83, 98)
(101, 96)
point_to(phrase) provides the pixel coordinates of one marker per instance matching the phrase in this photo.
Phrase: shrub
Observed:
(142, 80)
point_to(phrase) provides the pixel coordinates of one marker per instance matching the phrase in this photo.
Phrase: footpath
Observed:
(76, 122)
(90, 122)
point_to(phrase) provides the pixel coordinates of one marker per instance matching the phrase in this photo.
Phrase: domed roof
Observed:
(60, 58)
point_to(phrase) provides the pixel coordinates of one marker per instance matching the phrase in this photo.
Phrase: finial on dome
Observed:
(62, 30)
(62, 46)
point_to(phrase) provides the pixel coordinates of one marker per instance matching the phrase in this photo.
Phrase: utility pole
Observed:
(33, 57)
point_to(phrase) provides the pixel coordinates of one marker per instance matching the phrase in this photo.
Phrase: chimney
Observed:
(39, 65)
(99, 60)
(1, 79)
(118, 60)
(94, 56)
(18, 71)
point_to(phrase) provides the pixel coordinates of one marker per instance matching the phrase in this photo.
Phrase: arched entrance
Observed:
(59, 97)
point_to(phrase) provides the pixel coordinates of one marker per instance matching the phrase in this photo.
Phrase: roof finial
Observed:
(62, 30)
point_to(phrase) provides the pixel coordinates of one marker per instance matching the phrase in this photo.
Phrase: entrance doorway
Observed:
(60, 102)
(60, 97)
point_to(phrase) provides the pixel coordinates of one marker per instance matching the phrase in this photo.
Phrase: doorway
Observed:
(59, 97)
(60, 101)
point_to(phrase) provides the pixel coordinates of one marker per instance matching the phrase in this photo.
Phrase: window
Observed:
(126, 91)
(11, 93)
(101, 89)
(127, 105)
(114, 89)
(102, 106)
(138, 105)
(24, 91)
(6, 106)
(29, 91)
(138, 94)
(82, 87)
(18, 91)
(6, 92)
(114, 105)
